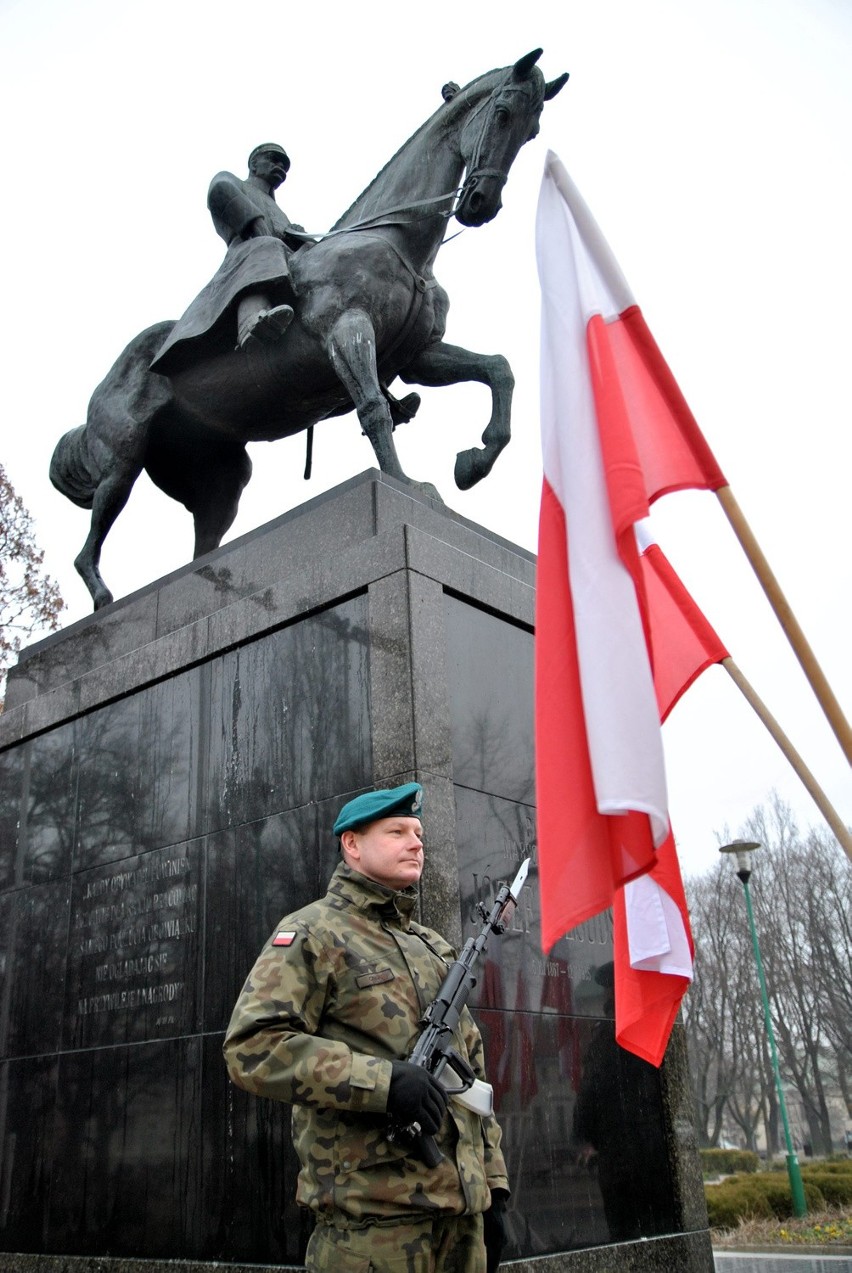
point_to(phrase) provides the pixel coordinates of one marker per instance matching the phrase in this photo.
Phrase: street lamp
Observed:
(743, 850)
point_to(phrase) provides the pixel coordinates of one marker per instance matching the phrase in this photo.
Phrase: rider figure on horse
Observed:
(253, 279)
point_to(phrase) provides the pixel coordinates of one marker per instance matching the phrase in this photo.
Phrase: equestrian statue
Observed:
(296, 328)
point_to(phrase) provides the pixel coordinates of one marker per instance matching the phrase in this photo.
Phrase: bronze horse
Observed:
(368, 309)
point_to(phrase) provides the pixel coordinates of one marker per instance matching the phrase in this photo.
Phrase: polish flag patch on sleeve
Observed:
(284, 937)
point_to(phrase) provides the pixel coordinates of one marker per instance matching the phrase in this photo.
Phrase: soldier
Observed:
(325, 1021)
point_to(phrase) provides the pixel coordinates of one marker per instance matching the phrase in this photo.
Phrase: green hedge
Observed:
(725, 1162)
(834, 1181)
(763, 1195)
(834, 1166)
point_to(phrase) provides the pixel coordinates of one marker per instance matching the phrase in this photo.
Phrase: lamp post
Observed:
(743, 850)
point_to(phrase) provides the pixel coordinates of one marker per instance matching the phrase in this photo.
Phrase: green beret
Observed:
(405, 801)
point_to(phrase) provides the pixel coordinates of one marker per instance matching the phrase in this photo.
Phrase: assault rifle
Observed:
(433, 1050)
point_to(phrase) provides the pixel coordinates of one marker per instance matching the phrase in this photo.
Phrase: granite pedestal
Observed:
(169, 772)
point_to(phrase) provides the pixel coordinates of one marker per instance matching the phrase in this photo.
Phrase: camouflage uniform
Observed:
(452, 1244)
(323, 1014)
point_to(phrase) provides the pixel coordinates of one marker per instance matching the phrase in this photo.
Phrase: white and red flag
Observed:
(616, 434)
(683, 644)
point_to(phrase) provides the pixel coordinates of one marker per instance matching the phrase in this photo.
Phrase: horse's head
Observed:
(495, 132)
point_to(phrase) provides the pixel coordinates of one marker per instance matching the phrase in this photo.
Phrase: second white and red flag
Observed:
(616, 434)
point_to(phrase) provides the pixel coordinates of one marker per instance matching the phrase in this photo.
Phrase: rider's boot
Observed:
(267, 326)
(258, 321)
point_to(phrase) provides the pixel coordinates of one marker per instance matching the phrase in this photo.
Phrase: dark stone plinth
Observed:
(169, 771)
(658, 1255)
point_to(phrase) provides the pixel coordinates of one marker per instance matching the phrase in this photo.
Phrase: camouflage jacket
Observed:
(321, 1017)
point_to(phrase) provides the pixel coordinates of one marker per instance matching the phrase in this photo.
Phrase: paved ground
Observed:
(782, 1262)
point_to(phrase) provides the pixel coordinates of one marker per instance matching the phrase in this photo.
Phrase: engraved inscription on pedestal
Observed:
(134, 955)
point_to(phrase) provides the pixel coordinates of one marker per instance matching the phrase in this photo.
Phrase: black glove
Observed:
(494, 1228)
(416, 1097)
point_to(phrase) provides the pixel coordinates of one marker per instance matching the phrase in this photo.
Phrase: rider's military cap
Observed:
(405, 801)
(270, 147)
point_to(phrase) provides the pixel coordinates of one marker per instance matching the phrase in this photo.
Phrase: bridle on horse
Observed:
(475, 174)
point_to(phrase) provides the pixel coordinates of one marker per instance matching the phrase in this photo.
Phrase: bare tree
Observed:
(792, 943)
(29, 599)
(801, 892)
(710, 1009)
(829, 903)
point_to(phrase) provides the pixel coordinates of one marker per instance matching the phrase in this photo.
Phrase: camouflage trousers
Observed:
(445, 1244)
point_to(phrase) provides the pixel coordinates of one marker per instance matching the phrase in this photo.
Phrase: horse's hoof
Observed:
(469, 468)
(404, 409)
(427, 489)
(102, 597)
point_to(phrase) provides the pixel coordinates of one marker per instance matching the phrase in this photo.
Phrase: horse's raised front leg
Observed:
(445, 364)
(351, 346)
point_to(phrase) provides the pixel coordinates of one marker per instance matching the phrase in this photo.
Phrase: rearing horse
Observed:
(367, 310)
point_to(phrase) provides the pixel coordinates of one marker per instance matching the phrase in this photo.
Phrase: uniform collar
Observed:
(368, 895)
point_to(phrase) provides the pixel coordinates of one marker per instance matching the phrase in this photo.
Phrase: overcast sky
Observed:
(711, 142)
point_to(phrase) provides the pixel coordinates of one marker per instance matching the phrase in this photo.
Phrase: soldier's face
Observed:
(389, 851)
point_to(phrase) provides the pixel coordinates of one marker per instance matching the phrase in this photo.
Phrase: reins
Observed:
(381, 218)
(490, 105)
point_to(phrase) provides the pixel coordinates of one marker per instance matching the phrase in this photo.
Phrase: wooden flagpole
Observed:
(788, 621)
(819, 797)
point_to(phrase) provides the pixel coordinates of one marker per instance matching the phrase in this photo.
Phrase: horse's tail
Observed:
(129, 393)
(72, 469)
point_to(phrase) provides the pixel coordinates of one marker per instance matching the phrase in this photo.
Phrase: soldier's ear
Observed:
(348, 843)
